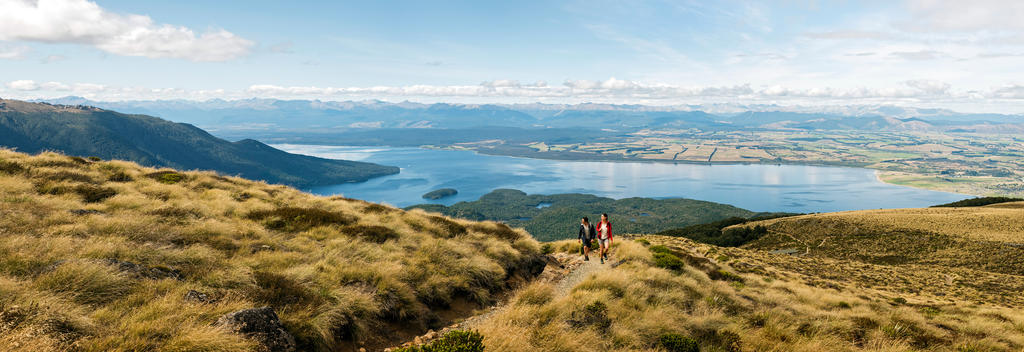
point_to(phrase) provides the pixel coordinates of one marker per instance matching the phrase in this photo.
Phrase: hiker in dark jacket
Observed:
(586, 235)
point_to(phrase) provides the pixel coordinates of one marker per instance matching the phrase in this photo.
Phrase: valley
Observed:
(969, 163)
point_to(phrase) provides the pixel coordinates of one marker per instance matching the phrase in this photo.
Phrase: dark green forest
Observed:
(555, 217)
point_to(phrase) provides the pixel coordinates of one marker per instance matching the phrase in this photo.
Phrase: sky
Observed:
(961, 55)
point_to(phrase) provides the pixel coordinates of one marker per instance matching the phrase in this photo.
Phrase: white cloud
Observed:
(964, 15)
(929, 86)
(919, 92)
(1009, 92)
(24, 85)
(85, 22)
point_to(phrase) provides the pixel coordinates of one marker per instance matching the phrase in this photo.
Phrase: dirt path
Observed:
(577, 275)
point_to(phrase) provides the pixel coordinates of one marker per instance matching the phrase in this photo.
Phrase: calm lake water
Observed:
(790, 188)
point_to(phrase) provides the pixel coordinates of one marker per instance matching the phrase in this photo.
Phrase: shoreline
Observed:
(877, 172)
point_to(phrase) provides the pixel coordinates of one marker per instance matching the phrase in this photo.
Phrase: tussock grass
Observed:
(640, 306)
(944, 254)
(100, 256)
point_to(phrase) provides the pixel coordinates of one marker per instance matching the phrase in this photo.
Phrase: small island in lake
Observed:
(440, 193)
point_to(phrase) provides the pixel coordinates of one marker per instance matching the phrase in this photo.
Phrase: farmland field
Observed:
(970, 163)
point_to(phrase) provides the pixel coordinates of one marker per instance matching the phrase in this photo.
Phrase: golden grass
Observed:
(336, 270)
(767, 312)
(999, 222)
(937, 254)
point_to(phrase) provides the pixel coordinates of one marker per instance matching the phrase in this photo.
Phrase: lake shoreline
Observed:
(602, 158)
(766, 187)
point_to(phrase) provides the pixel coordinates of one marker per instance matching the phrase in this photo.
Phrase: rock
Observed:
(260, 324)
(146, 272)
(196, 296)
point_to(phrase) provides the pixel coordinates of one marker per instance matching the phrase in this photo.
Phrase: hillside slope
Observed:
(973, 254)
(109, 255)
(680, 295)
(88, 131)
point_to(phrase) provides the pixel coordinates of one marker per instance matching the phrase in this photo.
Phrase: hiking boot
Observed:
(586, 258)
(602, 260)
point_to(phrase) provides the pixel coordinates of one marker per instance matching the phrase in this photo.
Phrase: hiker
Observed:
(604, 236)
(587, 234)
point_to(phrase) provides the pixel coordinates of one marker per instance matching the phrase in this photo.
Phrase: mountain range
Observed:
(90, 131)
(238, 117)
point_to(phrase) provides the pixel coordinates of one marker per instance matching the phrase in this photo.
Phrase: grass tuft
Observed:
(371, 233)
(673, 342)
(167, 176)
(93, 193)
(453, 341)
(295, 219)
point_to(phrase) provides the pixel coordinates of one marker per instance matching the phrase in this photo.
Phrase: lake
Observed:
(789, 188)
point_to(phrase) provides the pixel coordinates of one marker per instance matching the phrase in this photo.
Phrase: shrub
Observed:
(371, 233)
(843, 305)
(594, 314)
(10, 167)
(177, 213)
(673, 342)
(496, 229)
(166, 177)
(716, 233)
(643, 241)
(668, 261)
(78, 160)
(449, 228)
(94, 194)
(65, 175)
(899, 301)
(723, 275)
(241, 196)
(120, 176)
(660, 249)
(453, 341)
(547, 248)
(53, 188)
(94, 158)
(930, 311)
(294, 219)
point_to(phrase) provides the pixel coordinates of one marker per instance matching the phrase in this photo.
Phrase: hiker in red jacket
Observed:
(604, 236)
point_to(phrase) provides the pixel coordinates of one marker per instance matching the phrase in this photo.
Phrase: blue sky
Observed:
(953, 54)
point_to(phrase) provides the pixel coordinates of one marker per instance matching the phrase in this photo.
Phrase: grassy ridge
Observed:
(710, 298)
(109, 255)
(556, 217)
(948, 254)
